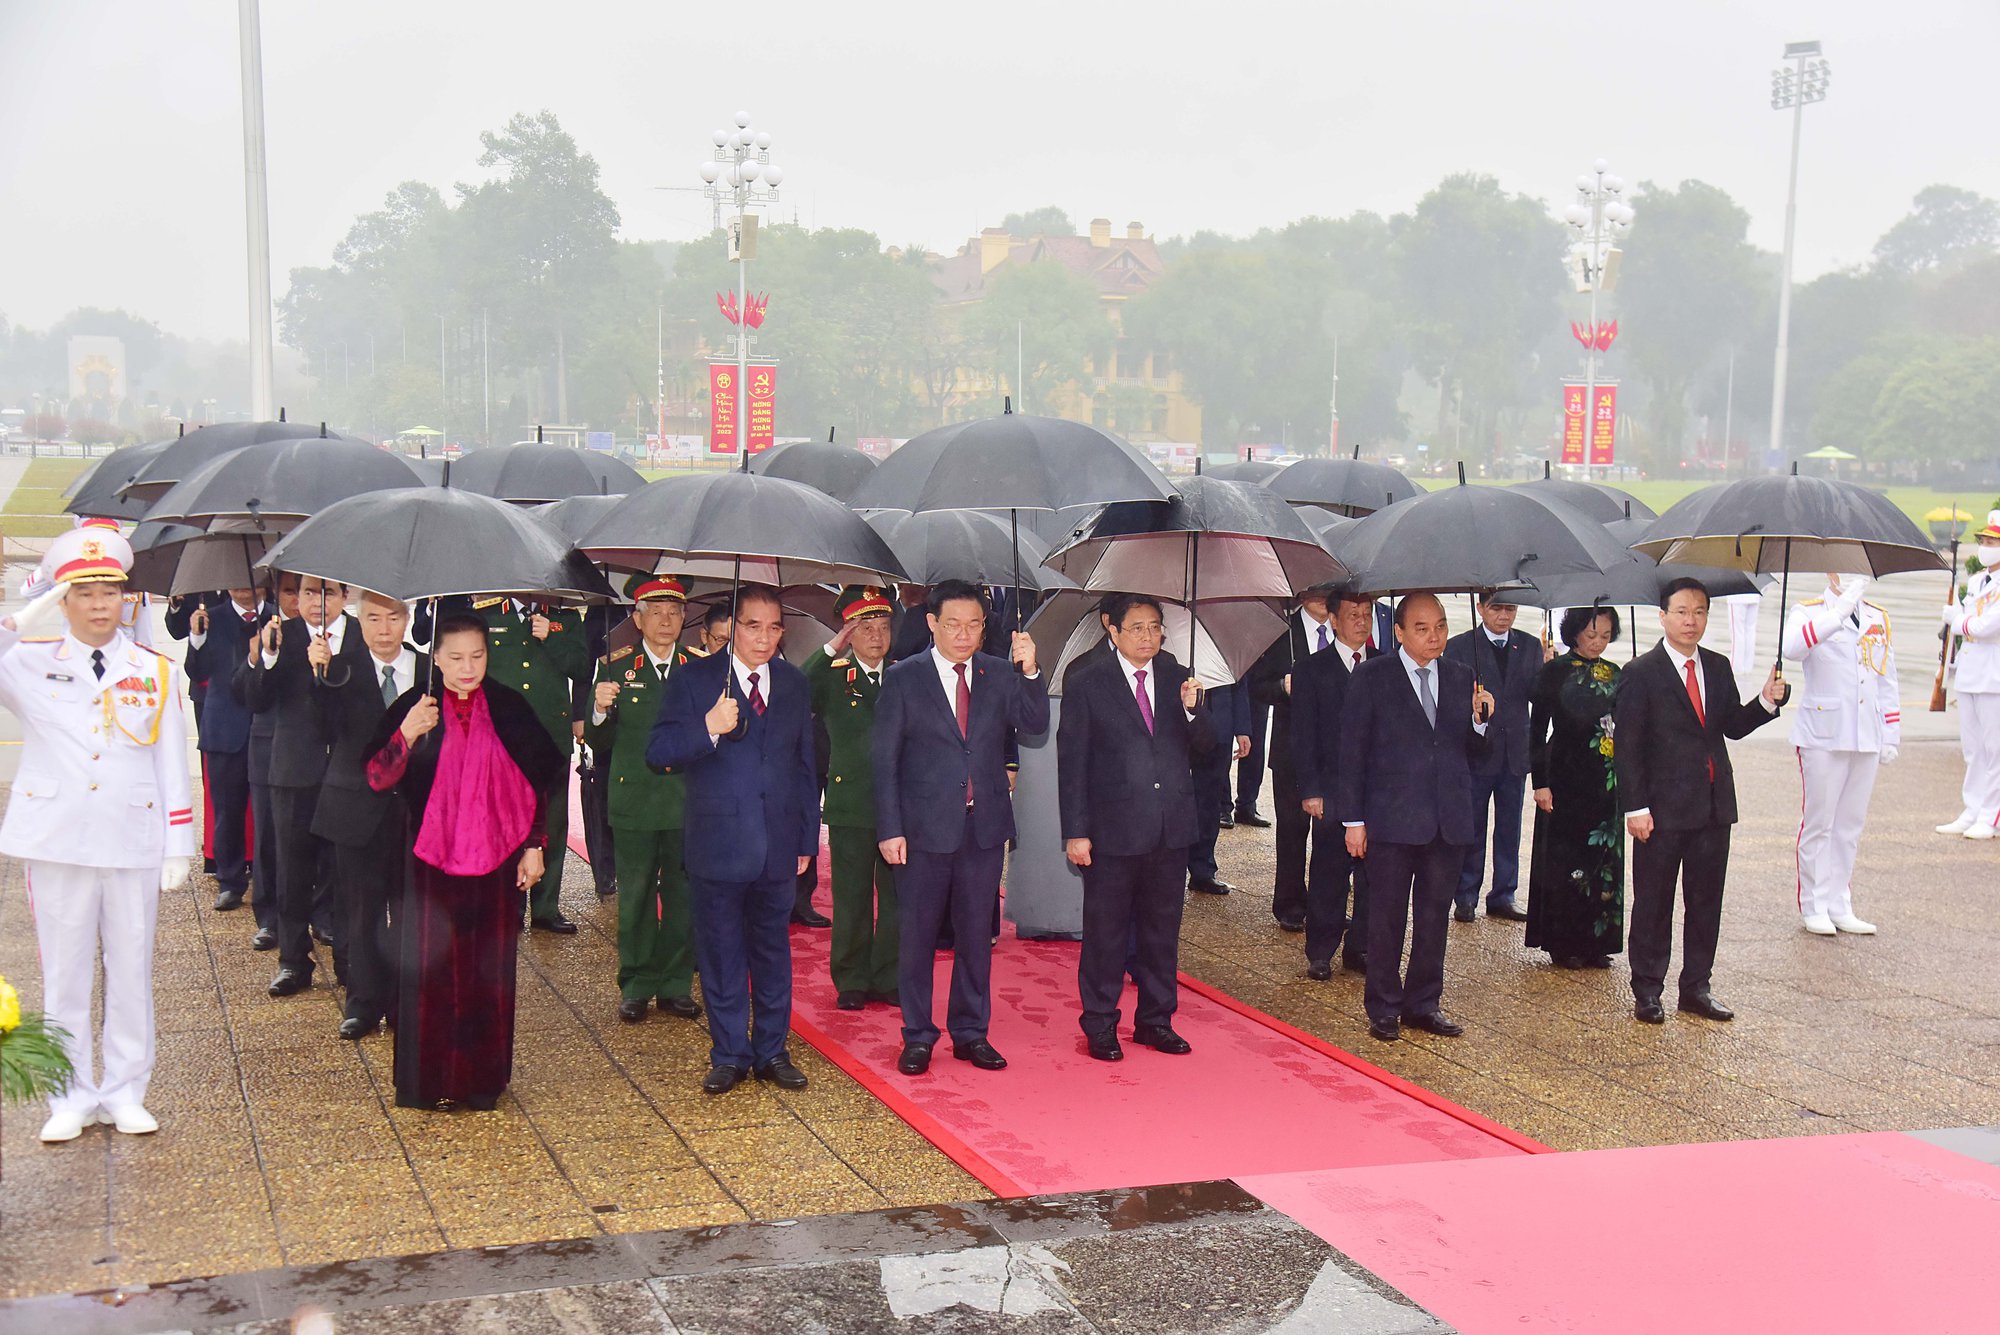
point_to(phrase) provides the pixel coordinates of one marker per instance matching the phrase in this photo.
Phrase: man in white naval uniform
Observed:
(101, 813)
(1849, 721)
(1976, 617)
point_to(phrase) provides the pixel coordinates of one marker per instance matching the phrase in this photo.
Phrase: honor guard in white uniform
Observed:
(1976, 617)
(1849, 722)
(101, 813)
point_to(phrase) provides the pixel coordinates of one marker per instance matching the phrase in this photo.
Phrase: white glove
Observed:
(1851, 590)
(1951, 615)
(174, 873)
(1890, 752)
(44, 608)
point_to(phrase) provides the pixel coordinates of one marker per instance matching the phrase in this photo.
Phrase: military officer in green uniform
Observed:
(846, 678)
(540, 652)
(655, 934)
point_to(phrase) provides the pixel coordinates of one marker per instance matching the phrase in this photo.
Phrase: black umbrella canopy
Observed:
(974, 545)
(96, 491)
(272, 487)
(434, 542)
(1325, 524)
(1229, 635)
(1605, 504)
(172, 559)
(1463, 539)
(1347, 486)
(721, 525)
(576, 516)
(1777, 524)
(1245, 470)
(533, 472)
(821, 464)
(1632, 583)
(179, 460)
(1012, 462)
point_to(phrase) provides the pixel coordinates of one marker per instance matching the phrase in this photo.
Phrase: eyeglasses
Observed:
(962, 627)
(1145, 628)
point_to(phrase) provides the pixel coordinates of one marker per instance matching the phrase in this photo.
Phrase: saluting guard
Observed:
(101, 813)
(647, 807)
(1976, 617)
(1850, 721)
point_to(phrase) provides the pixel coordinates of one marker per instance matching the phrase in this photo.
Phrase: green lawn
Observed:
(1912, 501)
(35, 510)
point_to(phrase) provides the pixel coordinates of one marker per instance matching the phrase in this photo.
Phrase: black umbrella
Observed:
(533, 472)
(179, 460)
(1635, 582)
(576, 516)
(95, 493)
(974, 545)
(1052, 527)
(272, 487)
(1229, 636)
(1606, 504)
(1464, 539)
(173, 559)
(1346, 486)
(821, 464)
(1245, 470)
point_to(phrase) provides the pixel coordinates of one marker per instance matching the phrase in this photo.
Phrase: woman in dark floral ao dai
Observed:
(1576, 899)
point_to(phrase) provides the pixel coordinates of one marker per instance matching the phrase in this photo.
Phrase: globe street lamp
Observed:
(741, 172)
(1598, 218)
(1792, 87)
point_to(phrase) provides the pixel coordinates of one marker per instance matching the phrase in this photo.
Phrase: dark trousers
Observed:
(1211, 804)
(1500, 795)
(1131, 920)
(963, 887)
(655, 935)
(228, 778)
(1327, 916)
(1409, 886)
(264, 859)
(743, 947)
(1250, 769)
(806, 885)
(299, 855)
(1288, 891)
(866, 932)
(545, 896)
(368, 880)
(1699, 859)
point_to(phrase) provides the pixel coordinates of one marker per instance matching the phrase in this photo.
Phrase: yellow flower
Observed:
(1601, 671)
(1604, 748)
(10, 1007)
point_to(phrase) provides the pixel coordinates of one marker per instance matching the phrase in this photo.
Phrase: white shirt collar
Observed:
(1681, 660)
(654, 659)
(743, 671)
(1312, 629)
(1131, 671)
(405, 663)
(334, 634)
(1346, 652)
(868, 671)
(1491, 638)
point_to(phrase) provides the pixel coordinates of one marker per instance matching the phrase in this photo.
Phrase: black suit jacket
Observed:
(1661, 751)
(921, 762)
(1319, 693)
(349, 811)
(1266, 680)
(1125, 789)
(224, 719)
(298, 738)
(1408, 782)
(1512, 685)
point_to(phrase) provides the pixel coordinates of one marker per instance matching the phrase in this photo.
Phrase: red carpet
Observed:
(1828, 1234)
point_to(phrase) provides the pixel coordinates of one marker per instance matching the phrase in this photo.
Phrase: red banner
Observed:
(722, 407)
(1572, 440)
(763, 406)
(1604, 425)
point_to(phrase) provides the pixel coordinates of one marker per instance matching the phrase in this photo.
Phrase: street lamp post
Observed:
(1792, 87)
(742, 160)
(1599, 218)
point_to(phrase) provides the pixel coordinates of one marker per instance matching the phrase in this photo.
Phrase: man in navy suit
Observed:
(218, 639)
(1229, 716)
(1319, 692)
(1410, 728)
(1308, 631)
(738, 724)
(1507, 662)
(943, 810)
(1132, 724)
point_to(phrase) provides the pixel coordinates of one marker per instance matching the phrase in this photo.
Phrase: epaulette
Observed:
(840, 662)
(617, 654)
(1879, 611)
(1812, 602)
(41, 639)
(481, 604)
(696, 651)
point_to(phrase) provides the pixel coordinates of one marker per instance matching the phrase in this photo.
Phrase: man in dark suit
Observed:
(1410, 729)
(1308, 630)
(1132, 725)
(218, 639)
(1229, 718)
(277, 680)
(738, 725)
(1507, 662)
(1319, 693)
(364, 827)
(943, 811)
(257, 753)
(1676, 705)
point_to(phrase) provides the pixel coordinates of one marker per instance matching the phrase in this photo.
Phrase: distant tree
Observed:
(1945, 224)
(1940, 404)
(1045, 221)
(1064, 327)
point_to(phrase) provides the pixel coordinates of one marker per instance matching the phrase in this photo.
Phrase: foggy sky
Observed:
(120, 120)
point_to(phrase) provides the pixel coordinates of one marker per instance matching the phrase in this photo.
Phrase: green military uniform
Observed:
(542, 671)
(864, 886)
(655, 941)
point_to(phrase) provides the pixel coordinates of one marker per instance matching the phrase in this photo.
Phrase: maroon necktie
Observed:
(1145, 701)
(756, 696)
(964, 711)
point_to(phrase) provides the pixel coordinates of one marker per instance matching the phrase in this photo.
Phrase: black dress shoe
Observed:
(916, 1059)
(1105, 1047)
(1252, 819)
(1292, 924)
(1648, 1012)
(208, 866)
(1464, 915)
(684, 1007)
(1161, 1038)
(1386, 1030)
(1210, 885)
(722, 1079)
(1435, 1023)
(1227, 822)
(290, 982)
(322, 938)
(227, 901)
(780, 1072)
(980, 1053)
(560, 925)
(1706, 1006)
(265, 939)
(851, 1001)
(1354, 963)
(811, 917)
(1507, 911)
(892, 997)
(1319, 970)
(354, 1027)
(1596, 961)
(631, 1012)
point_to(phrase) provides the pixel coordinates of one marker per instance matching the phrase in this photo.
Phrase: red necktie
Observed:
(964, 711)
(1700, 714)
(756, 696)
(1357, 658)
(1145, 701)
